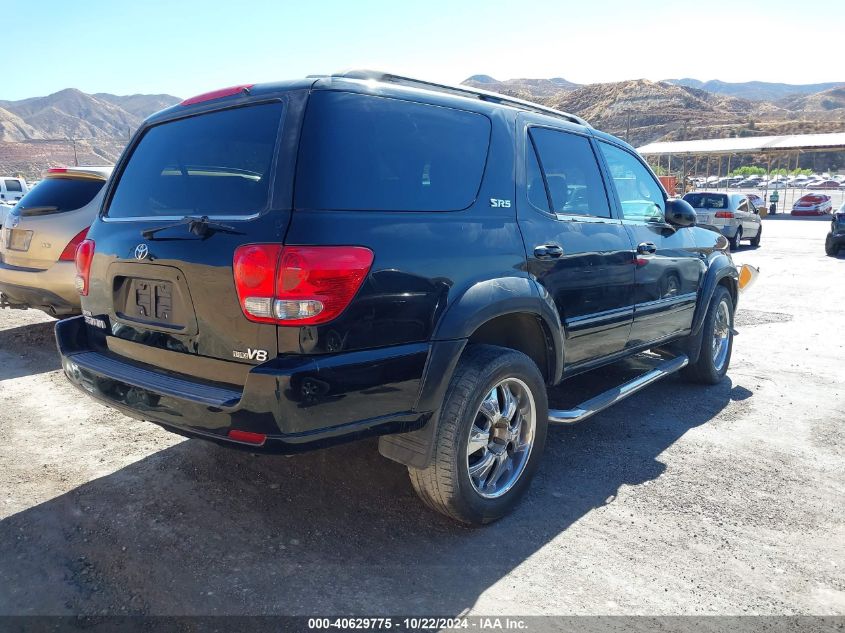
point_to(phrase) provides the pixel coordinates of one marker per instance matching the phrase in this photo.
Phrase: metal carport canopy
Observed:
(749, 145)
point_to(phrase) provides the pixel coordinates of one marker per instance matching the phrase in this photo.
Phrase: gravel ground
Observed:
(680, 500)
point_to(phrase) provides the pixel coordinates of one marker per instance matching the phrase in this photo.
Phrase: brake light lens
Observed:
(69, 254)
(724, 214)
(298, 285)
(84, 255)
(217, 94)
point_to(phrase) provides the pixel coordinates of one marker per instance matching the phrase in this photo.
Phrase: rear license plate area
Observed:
(150, 301)
(18, 239)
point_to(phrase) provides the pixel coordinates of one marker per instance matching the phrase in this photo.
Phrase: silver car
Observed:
(732, 214)
(39, 238)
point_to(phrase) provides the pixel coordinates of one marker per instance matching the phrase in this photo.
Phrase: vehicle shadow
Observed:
(200, 529)
(27, 350)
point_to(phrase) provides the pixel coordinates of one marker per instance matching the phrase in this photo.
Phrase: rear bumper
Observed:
(51, 290)
(297, 403)
(726, 230)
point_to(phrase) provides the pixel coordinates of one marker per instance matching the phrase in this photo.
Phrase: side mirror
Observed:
(680, 213)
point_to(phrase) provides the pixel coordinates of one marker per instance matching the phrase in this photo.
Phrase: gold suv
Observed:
(39, 239)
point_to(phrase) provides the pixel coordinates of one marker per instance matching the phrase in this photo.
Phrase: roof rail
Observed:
(465, 91)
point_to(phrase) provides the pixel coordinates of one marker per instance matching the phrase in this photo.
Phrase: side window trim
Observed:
(533, 146)
(567, 217)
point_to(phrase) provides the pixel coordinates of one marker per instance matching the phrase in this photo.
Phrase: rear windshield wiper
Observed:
(200, 226)
(42, 210)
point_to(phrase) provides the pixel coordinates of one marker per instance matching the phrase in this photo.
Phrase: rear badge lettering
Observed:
(93, 321)
(251, 354)
(496, 203)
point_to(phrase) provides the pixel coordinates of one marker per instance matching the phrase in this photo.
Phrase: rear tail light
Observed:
(298, 285)
(218, 94)
(725, 214)
(69, 254)
(84, 255)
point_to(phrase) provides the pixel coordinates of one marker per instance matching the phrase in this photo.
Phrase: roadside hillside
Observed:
(41, 132)
(754, 90)
(529, 89)
(644, 111)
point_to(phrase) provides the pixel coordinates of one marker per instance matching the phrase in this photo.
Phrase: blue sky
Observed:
(187, 47)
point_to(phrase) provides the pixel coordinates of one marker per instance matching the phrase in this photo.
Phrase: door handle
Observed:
(646, 248)
(548, 251)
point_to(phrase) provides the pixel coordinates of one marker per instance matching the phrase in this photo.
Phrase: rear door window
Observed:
(570, 174)
(215, 164)
(360, 152)
(55, 195)
(13, 185)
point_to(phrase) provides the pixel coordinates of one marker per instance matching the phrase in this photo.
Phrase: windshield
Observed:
(212, 164)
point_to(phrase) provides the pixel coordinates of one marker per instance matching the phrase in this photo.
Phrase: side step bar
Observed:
(612, 396)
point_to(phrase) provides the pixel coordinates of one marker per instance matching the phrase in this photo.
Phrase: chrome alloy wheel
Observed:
(721, 335)
(501, 438)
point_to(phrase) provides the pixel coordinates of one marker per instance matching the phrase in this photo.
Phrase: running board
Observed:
(612, 396)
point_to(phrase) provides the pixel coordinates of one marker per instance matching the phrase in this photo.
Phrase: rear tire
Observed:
(755, 241)
(472, 442)
(734, 241)
(717, 339)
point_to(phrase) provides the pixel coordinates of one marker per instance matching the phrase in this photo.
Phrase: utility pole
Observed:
(75, 157)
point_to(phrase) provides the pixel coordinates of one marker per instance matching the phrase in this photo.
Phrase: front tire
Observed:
(830, 248)
(755, 241)
(717, 340)
(490, 437)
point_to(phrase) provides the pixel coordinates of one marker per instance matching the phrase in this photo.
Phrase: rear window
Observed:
(54, 195)
(212, 164)
(707, 201)
(360, 152)
(13, 185)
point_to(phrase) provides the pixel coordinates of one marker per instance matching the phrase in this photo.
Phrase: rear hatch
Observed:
(193, 190)
(50, 220)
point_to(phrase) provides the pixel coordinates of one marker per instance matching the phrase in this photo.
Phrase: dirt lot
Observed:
(681, 500)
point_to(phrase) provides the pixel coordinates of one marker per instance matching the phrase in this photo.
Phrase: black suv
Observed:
(835, 240)
(283, 266)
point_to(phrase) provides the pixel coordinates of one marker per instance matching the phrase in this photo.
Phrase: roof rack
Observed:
(464, 91)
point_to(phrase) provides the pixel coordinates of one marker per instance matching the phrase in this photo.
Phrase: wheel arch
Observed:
(509, 312)
(506, 312)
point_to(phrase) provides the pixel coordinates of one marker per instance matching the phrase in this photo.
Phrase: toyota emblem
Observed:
(141, 251)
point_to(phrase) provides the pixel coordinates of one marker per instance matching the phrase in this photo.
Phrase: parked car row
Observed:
(774, 183)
